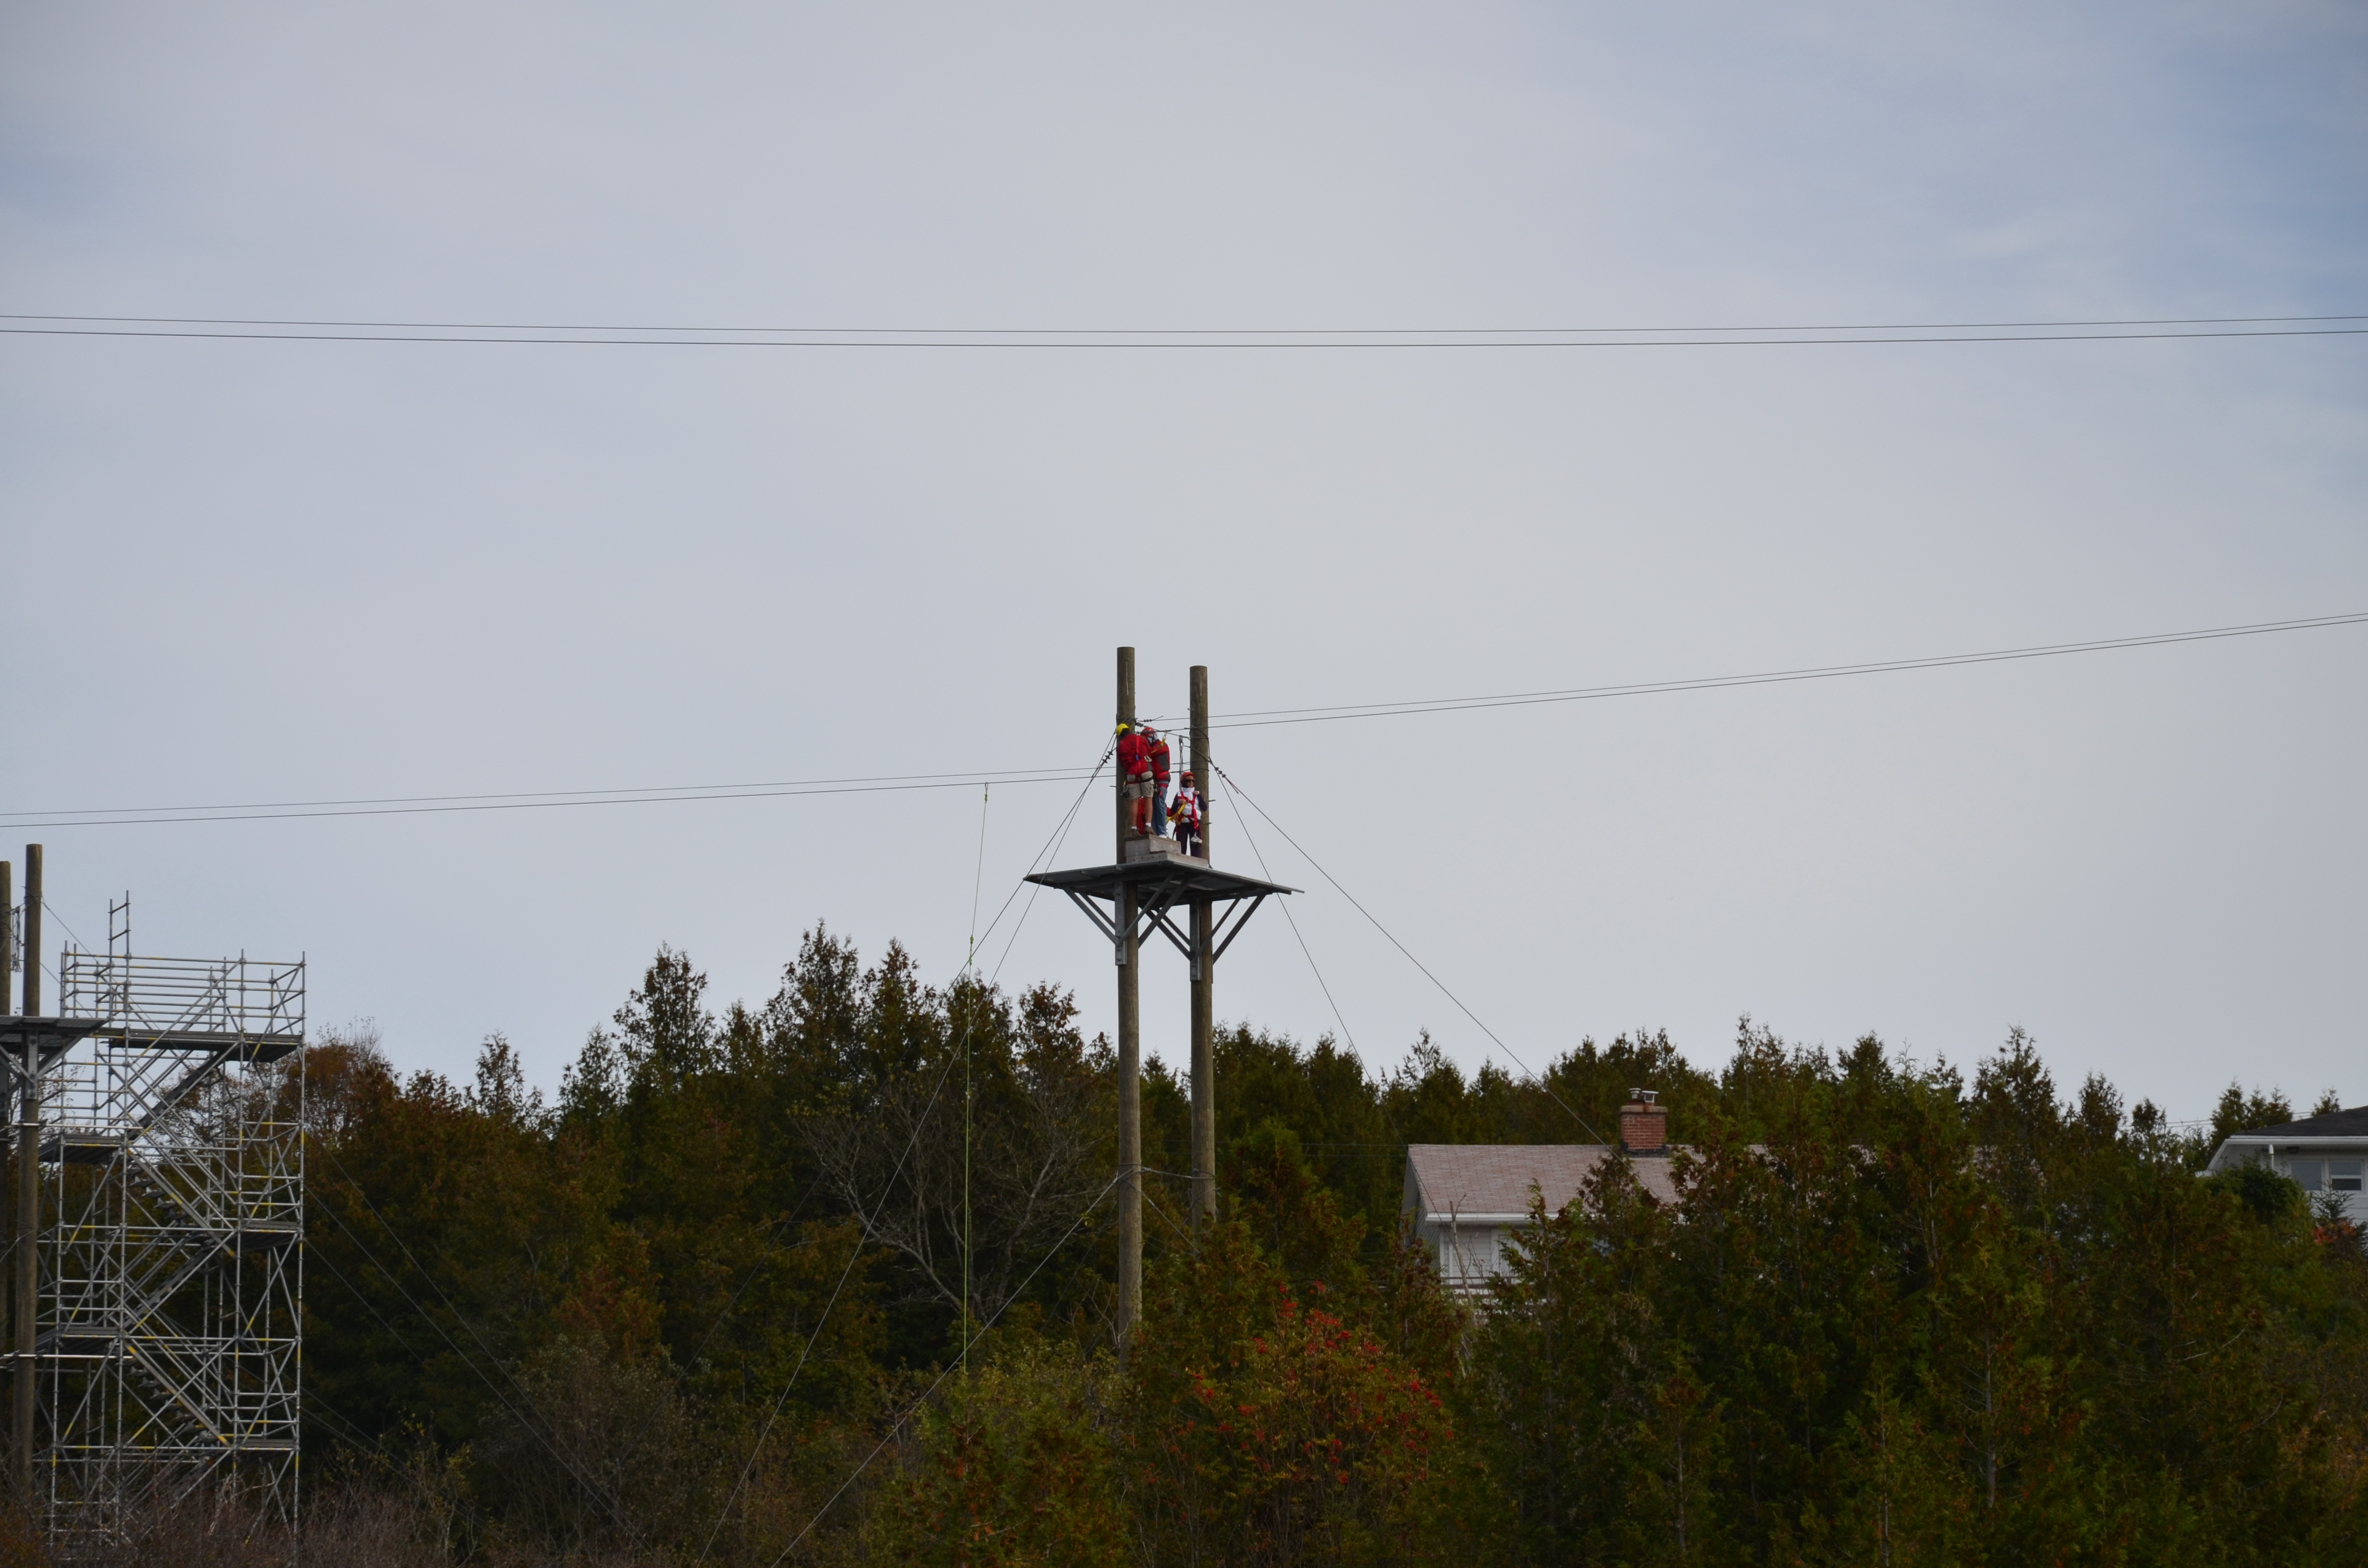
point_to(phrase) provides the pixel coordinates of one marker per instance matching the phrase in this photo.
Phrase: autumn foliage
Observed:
(709, 1304)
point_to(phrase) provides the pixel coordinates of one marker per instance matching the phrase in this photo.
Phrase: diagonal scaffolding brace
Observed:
(169, 1254)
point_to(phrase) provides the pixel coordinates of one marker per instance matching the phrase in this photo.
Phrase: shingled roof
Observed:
(2353, 1123)
(1473, 1179)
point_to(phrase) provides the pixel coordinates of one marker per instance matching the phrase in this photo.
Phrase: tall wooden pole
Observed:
(29, 1180)
(8, 992)
(1130, 1055)
(1204, 1055)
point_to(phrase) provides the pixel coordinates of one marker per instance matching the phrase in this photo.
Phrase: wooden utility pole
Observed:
(29, 1179)
(1150, 884)
(1204, 962)
(7, 980)
(1130, 1052)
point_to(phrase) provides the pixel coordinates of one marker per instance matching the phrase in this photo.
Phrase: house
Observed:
(1464, 1202)
(2326, 1154)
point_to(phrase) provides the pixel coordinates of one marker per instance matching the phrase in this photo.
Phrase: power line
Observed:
(132, 816)
(1171, 332)
(395, 805)
(1233, 343)
(691, 791)
(1767, 677)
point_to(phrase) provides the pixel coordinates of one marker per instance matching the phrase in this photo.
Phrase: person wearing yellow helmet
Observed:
(1135, 777)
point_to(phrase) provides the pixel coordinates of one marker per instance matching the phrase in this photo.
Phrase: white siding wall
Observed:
(2321, 1170)
(1468, 1256)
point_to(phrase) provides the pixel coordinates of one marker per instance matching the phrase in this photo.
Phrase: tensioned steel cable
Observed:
(1060, 837)
(1402, 947)
(598, 1493)
(93, 816)
(865, 1222)
(991, 332)
(897, 1425)
(409, 805)
(1304, 949)
(261, 329)
(1768, 678)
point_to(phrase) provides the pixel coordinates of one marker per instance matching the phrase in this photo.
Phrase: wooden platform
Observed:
(1150, 887)
(1181, 876)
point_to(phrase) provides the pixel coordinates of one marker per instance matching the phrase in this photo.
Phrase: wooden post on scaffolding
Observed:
(9, 994)
(29, 1181)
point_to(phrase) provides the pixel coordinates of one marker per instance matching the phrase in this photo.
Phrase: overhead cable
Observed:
(535, 1426)
(123, 816)
(1309, 953)
(898, 1425)
(865, 1222)
(1235, 785)
(267, 329)
(411, 805)
(1765, 677)
(1170, 331)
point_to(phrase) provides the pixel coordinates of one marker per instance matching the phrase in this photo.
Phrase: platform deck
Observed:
(1184, 880)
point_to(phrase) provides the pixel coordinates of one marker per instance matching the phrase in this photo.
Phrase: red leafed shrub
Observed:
(1292, 1438)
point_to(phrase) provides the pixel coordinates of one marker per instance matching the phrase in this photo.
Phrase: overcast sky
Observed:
(244, 571)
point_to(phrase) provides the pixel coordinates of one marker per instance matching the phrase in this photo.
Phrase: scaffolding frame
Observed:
(170, 1273)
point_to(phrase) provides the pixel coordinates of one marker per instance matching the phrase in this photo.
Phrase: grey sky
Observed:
(277, 570)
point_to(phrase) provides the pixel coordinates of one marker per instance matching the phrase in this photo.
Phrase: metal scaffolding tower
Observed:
(169, 1239)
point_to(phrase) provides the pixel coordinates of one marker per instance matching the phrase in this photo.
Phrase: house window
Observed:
(2309, 1175)
(2343, 1175)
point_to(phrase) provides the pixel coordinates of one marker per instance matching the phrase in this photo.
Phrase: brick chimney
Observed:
(1643, 1125)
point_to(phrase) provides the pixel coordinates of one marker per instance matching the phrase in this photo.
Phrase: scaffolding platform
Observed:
(52, 1037)
(1145, 888)
(169, 1260)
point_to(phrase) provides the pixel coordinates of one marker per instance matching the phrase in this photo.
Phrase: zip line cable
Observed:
(313, 1402)
(1303, 948)
(772, 1248)
(763, 1257)
(897, 1426)
(459, 1317)
(1061, 837)
(690, 791)
(433, 805)
(1052, 846)
(864, 1236)
(1769, 677)
(120, 816)
(1176, 332)
(865, 1222)
(1073, 338)
(773, 1245)
(597, 1493)
(1402, 947)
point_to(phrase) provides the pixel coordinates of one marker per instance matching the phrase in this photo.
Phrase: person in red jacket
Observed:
(1135, 777)
(1155, 747)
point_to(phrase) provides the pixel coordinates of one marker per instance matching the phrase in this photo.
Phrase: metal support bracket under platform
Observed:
(1144, 890)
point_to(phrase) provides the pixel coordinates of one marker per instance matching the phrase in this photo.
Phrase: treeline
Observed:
(708, 1305)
